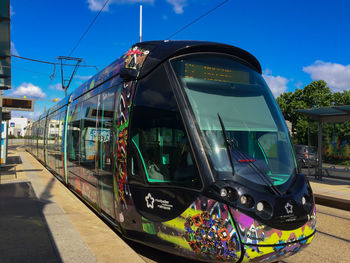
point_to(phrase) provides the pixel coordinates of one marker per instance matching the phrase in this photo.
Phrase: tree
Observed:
(317, 94)
(314, 95)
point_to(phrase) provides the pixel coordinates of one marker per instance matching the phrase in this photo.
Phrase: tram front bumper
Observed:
(262, 243)
(256, 253)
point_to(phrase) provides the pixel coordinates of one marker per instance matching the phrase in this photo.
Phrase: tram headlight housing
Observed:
(264, 209)
(229, 193)
(247, 201)
(260, 206)
(224, 192)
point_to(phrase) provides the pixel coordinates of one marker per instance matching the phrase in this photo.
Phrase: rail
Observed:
(328, 172)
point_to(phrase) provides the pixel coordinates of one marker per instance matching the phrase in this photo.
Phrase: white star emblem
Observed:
(149, 201)
(289, 208)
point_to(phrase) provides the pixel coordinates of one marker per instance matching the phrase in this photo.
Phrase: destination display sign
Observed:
(8, 103)
(207, 72)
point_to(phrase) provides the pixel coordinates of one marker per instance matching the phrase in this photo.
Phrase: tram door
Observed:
(105, 151)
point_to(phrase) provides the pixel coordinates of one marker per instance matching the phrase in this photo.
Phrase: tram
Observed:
(181, 146)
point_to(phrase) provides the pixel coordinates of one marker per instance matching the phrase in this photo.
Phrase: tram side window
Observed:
(88, 133)
(158, 135)
(73, 134)
(105, 130)
(60, 119)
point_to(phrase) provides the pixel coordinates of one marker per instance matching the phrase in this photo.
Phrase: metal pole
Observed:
(6, 140)
(319, 173)
(1, 94)
(140, 23)
(1, 135)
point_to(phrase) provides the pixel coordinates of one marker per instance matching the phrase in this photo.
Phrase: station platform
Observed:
(42, 221)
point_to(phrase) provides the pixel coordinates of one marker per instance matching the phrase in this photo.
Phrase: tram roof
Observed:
(160, 51)
(163, 50)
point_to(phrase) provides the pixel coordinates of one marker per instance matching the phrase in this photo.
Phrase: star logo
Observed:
(149, 201)
(289, 208)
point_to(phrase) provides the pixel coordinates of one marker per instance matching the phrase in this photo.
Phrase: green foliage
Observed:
(314, 95)
(304, 130)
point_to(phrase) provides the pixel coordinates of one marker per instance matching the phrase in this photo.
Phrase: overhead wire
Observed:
(197, 19)
(91, 24)
(88, 28)
(52, 63)
(52, 76)
(24, 69)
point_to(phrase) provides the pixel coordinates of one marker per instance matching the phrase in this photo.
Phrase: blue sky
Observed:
(295, 41)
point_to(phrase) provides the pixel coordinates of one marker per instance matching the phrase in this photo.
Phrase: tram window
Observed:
(135, 161)
(88, 134)
(158, 135)
(105, 128)
(41, 137)
(61, 119)
(73, 134)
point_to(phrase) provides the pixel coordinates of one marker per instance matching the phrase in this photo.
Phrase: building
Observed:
(17, 126)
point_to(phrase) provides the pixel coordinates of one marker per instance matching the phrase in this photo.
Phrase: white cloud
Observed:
(57, 86)
(178, 5)
(13, 49)
(298, 84)
(336, 75)
(11, 11)
(267, 71)
(27, 114)
(277, 84)
(96, 5)
(29, 90)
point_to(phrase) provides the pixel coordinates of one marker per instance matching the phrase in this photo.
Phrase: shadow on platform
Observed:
(25, 236)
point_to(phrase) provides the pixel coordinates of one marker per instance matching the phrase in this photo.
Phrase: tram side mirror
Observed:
(128, 74)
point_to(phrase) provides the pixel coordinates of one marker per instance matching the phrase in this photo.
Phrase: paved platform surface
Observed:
(331, 192)
(42, 221)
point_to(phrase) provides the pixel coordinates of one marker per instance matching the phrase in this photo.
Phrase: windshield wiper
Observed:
(230, 143)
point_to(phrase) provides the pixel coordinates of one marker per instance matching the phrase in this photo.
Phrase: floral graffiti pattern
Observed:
(276, 243)
(134, 58)
(208, 231)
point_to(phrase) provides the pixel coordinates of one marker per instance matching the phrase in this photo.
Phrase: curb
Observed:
(334, 202)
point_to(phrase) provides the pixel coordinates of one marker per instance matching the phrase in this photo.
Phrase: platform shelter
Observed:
(333, 114)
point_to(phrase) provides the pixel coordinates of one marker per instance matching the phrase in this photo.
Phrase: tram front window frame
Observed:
(222, 86)
(159, 144)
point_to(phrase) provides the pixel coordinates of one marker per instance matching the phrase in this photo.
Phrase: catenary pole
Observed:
(140, 23)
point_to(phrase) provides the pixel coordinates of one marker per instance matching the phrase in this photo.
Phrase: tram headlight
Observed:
(247, 201)
(303, 200)
(264, 209)
(307, 203)
(229, 193)
(223, 192)
(244, 199)
(260, 206)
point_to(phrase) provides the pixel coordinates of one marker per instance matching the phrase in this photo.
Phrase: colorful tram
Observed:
(181, 145)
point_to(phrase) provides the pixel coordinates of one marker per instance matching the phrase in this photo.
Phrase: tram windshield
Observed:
(257, 145)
